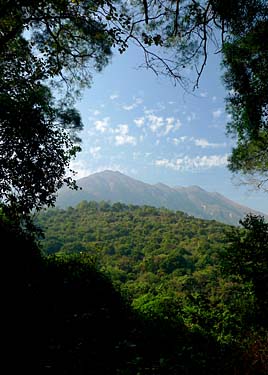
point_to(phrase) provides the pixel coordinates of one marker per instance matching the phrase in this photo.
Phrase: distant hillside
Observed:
(117, 187)
(130, 242)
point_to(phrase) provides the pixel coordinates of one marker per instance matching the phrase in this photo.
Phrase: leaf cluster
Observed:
(35, 144)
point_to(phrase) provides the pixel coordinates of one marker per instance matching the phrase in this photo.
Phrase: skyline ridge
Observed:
(115, 186)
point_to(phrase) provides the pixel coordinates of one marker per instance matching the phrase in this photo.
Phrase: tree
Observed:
(73, 35)
(35, 148)
(40, 42)
(246, 59)
(246, 256)
(68, 37)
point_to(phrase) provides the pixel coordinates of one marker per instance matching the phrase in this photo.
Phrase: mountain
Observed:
(117, 187)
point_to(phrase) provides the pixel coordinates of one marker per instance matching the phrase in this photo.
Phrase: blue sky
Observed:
(154, 131)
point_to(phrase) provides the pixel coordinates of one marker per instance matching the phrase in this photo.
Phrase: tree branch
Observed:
(176, 17)
(145, 5)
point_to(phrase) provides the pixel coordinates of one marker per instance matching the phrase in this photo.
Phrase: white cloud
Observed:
(138, 155)
(96, 112)
(102, 125)
(179, 140)
(114, 96)
(164, 163)
(198, 162)
(123, 137)
(170, 120)
(199, 142)
(177, 125)
(148, 111)
(162, 126)
(217, 114)
(204, 143)
(81, 168)
(129, 107)
(168, 128)
(122, 128)
(139, 121)
(111, 167)
(136, 103)
(203, 94)
(155, 122)
(95, 152)
(214, 98)
(191, 117)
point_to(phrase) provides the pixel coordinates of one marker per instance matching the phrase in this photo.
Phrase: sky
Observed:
(152, 130)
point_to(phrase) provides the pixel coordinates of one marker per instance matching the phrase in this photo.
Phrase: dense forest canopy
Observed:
(207, 275)
(64, 316)
(150, 252)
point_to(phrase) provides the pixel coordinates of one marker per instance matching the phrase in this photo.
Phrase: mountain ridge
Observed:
(114, 186)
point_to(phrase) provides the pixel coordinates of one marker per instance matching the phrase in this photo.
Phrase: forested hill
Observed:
(178, 270)
(186, 315)
(138, 247)
(116, 187)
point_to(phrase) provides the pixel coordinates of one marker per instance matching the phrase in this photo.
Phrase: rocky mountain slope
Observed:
(117, 187)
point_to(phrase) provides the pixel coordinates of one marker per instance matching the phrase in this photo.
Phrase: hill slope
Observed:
(117, 187)
(133, 243)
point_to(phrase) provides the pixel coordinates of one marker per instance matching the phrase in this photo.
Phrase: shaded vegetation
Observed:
(65, 317)
(171, 270)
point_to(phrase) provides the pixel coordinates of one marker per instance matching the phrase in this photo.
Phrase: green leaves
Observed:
(63, 43)
(35, 147)
(246, 65)
(246, 256)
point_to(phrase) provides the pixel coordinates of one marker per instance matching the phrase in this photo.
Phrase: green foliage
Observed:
(165, 263)
(246, 65)
(177, 271)
(246, 256)
(246, 58)
(73, 320)
(35, 147)
(136, 243)
(67, 35)
(42, 42)
(65, 317)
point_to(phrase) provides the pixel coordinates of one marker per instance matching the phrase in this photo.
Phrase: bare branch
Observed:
(145, 5)
(176, 17)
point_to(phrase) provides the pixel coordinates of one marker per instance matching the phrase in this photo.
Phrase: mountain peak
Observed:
(108, 172)
(161, 185)
(192, 188)
(115, 186)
